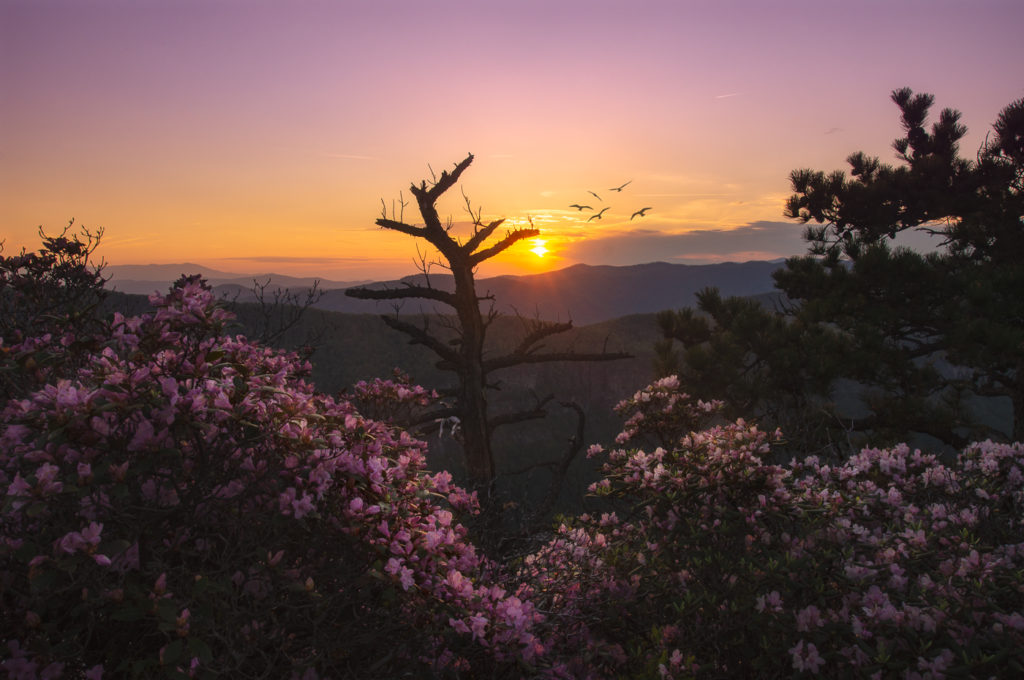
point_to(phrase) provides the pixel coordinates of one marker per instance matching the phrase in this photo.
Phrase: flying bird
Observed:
(598, 215)
(580, 207)
(621, 186)
(594, 195)
(640, 212)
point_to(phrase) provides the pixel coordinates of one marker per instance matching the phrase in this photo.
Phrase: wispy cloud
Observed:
(687, 195)
(726, 96)
(757, 240)
(127, 241)
(733, 256)
(281, 259)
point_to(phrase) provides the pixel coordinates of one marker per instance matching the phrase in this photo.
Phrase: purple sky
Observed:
(254, 136)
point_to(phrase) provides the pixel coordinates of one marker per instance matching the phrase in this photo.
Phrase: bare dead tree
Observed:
(464, 355)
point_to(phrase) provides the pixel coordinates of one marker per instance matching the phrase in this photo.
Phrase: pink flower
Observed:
(91, 534)
(71, 542)
(143, 436)
(182, 622)
(432, 539)
(46, 479)
(808, 618)
(478, 624)
(302, 506)
(806, 658)
(19, 487)
(771, 602)
(406, 578)
(459, 625)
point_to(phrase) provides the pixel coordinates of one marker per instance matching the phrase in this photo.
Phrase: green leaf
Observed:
(43, 580)
(173, 652)
(128, 614)
(198, 648)
(113, 548)
(36, 509)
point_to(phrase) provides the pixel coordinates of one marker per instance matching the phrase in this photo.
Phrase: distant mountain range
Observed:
(584, 294)
(143, 279)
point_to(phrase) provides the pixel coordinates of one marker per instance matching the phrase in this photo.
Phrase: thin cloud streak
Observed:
(758, 240)
(282, 259)
(691, 195)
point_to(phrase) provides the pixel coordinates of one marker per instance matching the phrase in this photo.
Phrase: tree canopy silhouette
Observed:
(922, 334)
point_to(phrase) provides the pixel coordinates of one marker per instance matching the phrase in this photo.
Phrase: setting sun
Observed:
(538, 247)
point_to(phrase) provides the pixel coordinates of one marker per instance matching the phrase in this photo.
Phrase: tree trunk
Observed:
(475, 438)
(472, 398)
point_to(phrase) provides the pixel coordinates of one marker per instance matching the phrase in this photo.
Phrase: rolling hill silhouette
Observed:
(582, 293)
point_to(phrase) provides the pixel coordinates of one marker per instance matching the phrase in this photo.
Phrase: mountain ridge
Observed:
(588, 293)
(582, 293)
(146, 278)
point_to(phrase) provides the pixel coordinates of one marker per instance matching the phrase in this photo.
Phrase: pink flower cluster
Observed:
(889, 564)
(187, 502)
(178, 502)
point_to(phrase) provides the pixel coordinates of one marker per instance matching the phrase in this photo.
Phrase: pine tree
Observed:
(918, 332)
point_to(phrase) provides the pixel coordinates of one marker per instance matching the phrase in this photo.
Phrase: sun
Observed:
(538, 247)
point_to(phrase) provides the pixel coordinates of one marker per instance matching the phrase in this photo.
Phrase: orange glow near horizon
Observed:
(262, 139)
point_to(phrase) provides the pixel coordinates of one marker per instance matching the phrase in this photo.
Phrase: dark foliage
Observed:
(918, 337)
(51, 291)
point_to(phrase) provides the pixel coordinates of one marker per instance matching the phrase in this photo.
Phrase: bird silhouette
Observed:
(621, 186)
(580, 207)
(598, 215)
(640, 212)
(594, 195)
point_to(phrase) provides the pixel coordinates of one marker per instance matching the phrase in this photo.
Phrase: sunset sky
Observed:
(255, 136)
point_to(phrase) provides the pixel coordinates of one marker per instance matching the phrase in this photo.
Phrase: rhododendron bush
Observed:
(186, 505)
(183, 503)
(713, 562)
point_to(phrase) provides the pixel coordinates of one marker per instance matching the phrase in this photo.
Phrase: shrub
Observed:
(181, 503)
(49, 302)
(186, 505)
(715, 563)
